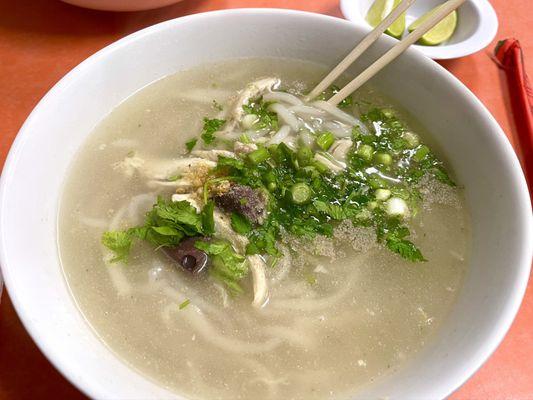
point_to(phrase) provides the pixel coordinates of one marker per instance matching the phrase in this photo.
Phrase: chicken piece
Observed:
(251, 91)
(244, 148)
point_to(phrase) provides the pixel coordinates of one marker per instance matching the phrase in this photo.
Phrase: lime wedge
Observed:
(379, 10)
(440, 32)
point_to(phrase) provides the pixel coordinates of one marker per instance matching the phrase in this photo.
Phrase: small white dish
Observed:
(121, 5)
(476, 27)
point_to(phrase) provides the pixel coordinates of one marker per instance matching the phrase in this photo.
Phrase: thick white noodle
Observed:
(258, 268)
(286, 116)
(340, 130)
(97, 223)
(210, 334)
(307, 111)
(280, 135)
(138, 206)
(338, 114)
(333, 166)
(339, 150)
(212, 155)
(282, 97)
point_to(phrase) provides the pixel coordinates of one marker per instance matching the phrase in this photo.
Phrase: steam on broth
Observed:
(291, 250)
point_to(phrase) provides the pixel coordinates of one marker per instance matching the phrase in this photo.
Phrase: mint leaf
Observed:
(405, 249)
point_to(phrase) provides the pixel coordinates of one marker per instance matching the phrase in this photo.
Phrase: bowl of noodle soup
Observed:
(93, 157)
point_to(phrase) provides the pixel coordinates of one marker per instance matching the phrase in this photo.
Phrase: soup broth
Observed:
(342, 312)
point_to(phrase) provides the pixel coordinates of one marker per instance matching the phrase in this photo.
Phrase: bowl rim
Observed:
(480, 38)
(509, 310)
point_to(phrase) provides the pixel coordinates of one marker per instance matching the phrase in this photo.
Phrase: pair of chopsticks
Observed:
(385, 59)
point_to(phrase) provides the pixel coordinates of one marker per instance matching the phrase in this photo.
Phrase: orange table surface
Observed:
(41, 40)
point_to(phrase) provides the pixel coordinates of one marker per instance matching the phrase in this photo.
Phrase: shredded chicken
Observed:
(252, 90)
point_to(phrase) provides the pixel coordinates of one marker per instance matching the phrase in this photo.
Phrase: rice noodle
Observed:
(308, 111)
(212, 155)
(283, 97)
(339, 114)
(98, 223)
(203, 327)
(138, 205)
(257, 266)
(280, 135)
(340, 130)
(119, 280)
(285, 115)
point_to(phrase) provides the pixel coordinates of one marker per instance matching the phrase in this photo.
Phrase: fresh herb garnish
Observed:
(267, 118)
(227, 266)
(184, 304)
(209, 129)
(166, 225)
(240, 224)
(190, 144)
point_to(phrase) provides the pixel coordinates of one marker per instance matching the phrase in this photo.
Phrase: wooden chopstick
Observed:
(359, 49)
(395, 51)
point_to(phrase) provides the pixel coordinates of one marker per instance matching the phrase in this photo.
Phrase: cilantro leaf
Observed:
(209, 129)
(267, 118)
(190, 144)
(119, 242)
(227, 266)
(240, 224)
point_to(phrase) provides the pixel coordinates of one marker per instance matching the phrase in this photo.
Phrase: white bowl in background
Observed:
(477, 25)
(470, 138)
(121, 5)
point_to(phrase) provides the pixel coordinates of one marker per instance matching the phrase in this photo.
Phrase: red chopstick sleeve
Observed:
(509, 54)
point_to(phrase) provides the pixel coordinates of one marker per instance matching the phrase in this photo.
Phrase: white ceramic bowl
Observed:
(121, 5)
(476, 27)
(468, 135)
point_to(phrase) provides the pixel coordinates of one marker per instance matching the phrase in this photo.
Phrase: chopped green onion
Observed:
(382, 194)
(376, 182)
(372, 205)
(300, 193)
(184, 304)
(411, 138)
(387, 112)
(325, 140)
(365, 151)
(383, 158)
(396, 207)
(173, 178)
(249, 120)
(421, 153)
(259, 155)
(304, 156)
(244, 139)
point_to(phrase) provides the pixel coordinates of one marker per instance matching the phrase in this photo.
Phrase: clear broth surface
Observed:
(364, 315)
